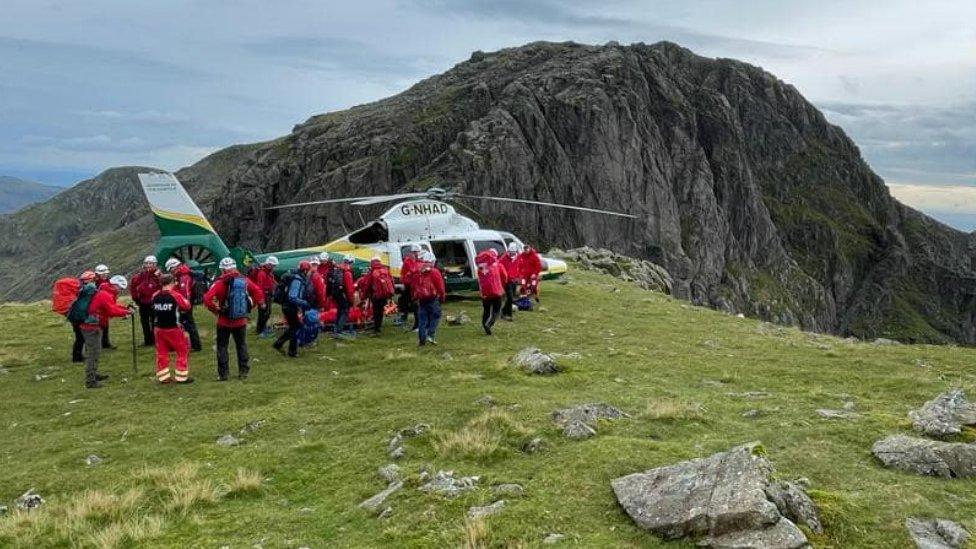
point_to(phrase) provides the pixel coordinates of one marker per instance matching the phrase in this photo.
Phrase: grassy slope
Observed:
(641, 351)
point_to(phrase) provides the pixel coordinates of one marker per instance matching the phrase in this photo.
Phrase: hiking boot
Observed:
(487, 330)
(102, 377)
(166, 381)
(93, 385)
(242, 377)
(221, 378)
(77, 359)
(185, 381)
(431, 341)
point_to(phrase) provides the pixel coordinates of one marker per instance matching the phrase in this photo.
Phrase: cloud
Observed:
(952, 204)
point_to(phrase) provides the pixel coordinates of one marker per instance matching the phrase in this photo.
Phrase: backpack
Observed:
(422, 287)
(309, 292)
(236, 304)
(310, 328)
(335, 284)
(280, 295)
(198, 287)
(382, 284)
(63, 294)
(78, 312)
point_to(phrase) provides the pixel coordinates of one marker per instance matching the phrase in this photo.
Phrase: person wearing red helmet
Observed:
(427, 289)
(295, 301)
(231, 298)
(100, 310)
(491, 283)
(377, 286)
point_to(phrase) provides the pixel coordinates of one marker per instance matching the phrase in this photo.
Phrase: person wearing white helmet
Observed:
(410, 262)
(263, 276)
(427, 289)
(145, 284)
(231, 298)
(183, 278)
(507, 261)
(102, 308)
(102, 274)
(316, 282)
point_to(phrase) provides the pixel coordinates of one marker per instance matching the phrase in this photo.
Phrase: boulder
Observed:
(510, 490)
(552, 539)
(944, 415)
(228, 440)
(480, 512)
(720, 500)
(936, 533)
(577, 430)
(29, 500)
(444, 483)
(647, 275)
(587, 413)
(389, 472)
(374, 503)
(926, 457)
(533, 446)
(459, 319)
(794, 504)
(534, 361)
(93, 460)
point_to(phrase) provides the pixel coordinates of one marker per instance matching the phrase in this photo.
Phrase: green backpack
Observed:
(78, 312)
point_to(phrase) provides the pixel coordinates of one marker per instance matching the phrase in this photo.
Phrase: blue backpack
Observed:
(236, 304)
(309, 331)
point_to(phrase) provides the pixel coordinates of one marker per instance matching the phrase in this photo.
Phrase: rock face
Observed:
(645, 274)
(944, 415)
(926, 457)
(721, 500)
(936, 533)
(745, 194)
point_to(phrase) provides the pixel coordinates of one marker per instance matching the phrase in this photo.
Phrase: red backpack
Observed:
(63, 294)
(382, 284)
(422, 286)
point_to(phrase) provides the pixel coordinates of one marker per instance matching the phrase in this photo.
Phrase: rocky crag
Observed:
(745, 194)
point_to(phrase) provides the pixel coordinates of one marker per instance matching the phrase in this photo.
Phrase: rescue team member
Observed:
(231, 298)
(491, 283)
(102, 275)
(264, 277)
(377, 286)
(507, 262)
(405, 304)
(78, 347)
(294, 302)
(427, 290)
(145, 284)
(100, 310)
(168, 305)
(184, 285)
(529, 266)
(342, 291)
(316, 281)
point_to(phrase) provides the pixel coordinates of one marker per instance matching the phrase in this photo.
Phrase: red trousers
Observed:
(171, 340)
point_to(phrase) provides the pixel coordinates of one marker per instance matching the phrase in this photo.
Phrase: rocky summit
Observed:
(745, 194)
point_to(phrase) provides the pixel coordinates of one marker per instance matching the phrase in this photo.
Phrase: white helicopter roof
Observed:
(425, 219)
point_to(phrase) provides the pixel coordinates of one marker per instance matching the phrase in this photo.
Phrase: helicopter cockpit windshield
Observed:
(371, 234)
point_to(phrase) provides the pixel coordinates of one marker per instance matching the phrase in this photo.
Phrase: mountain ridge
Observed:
(747, 195)
(17, 193)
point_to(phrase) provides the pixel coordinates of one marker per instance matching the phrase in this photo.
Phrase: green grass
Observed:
(298, 478)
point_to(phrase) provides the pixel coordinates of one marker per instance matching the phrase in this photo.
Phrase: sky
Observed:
(90, 85)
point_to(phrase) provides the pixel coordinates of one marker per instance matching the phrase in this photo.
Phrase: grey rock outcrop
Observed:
(578, 422)
(936, 533)
(509, 490)
(390, 472)
(481, 512)
(228, 440)
(29, 500)
(375, 503)
(534, 361)
(926, 457)
(446, 484)
(794, 504)
(721, 500)
(944, 415)
(643, 273)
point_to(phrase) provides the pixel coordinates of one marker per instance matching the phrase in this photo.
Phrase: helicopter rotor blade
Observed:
(388, 198)
(550, 204)
(355, 200)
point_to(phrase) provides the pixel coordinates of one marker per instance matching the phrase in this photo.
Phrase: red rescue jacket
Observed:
(317, 280)
(408, 269)
(144, 286)
(528, 264)
(103, 307)
(368, 284)
(264, 277)
(184, 281)
(491, 277)
(427, 283)
(215, 296)
(508, 262)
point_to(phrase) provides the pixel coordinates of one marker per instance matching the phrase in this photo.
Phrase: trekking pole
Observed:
(132, 322)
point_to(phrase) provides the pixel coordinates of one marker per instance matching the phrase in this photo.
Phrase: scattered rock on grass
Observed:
(885, 341)
(228, 440)
(533, 446)
(480, 512)
(487, 401)
(390, 472)
(944, 415)
(3, 510)
(749, 394)
(385, 513)
(251, 427)
(577, 430)
(374, 503)
(92, 460)
(720, 499)
(552, 539)
(459, 319)
(29, 500)
(510, 490)
(837, 414)
(534, 361)
(578, 421)
(444, 483)
(927, 457)
(936, 533)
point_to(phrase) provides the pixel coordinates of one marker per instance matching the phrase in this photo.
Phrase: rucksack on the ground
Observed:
(78, 311)
(382, 284)
(63, 294)
(335, 284)
(236, 304)
(198, 287)
(280, 295)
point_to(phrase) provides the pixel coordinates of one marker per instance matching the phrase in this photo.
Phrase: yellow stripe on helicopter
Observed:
(192, 219)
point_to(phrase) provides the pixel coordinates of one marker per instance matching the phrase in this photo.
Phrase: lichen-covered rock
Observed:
(936, 533)
(510, 490)
(29, 500)
(794, 504)
(578, 430)
(390, 472)
(944, 415)
(375, 503)
(578, 421)
(927, 457)
(534, 361)
(446, 484)
(480, 512)
(720, 500)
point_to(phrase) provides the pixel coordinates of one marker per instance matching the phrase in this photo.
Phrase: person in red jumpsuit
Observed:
(168, 305)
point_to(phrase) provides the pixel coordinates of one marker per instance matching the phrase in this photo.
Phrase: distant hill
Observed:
(16, 193)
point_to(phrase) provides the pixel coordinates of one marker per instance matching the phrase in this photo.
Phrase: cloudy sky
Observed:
(89, 85)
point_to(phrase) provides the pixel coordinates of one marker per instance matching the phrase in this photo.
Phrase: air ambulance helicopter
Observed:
(422, 218)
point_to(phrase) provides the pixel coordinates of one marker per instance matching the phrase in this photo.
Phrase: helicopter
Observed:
(423, 218)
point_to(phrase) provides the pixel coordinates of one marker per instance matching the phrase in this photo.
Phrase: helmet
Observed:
(171, 263)
(271, 260)
(348, 259)
(428, 257)
(324, 257)
(87, 276)
(150, 259)
(101, 270)
(512, 248)
(228, 263)
(415, 247)
(120, 281)
(314, 260)
(304, 265)
(375, 258)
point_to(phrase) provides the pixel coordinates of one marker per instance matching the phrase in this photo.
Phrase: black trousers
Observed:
(146, 319)
(489, 312)
(405, 306)
(264, 313)
(223, 357)
(78, 347)
(106, 344)
(378, 306)
(190, 326)
(509, 299)
(291, 317)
